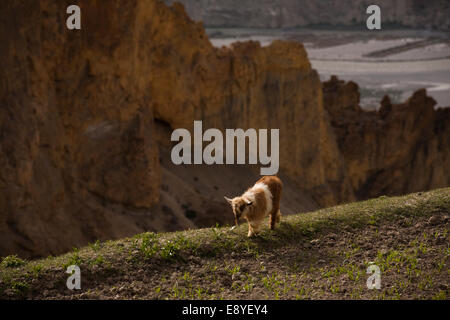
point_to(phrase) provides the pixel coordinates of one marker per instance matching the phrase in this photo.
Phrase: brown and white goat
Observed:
(257, 202)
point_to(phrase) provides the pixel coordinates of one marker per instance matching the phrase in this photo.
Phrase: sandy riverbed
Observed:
(404, 61)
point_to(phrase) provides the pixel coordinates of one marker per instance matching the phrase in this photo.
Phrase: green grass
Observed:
(176, 247)
(12, 262)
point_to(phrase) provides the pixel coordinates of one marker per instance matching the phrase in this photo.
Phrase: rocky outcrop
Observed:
(78, 161)
(299, 13)
(249, 86)
(400, 148)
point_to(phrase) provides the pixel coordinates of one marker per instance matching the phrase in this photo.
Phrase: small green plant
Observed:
(200, 292)
(273, 284)
(36, 269)
(100, 260)
(372, 220)
(353, 273)
(187, 277)
(95, 246)
(248, 287)
(232, 270)
(334, 288)
(12, 261)
(216, 233)
(169, 250)
(423, 248)
(441, 265)
(149, 244)
(178, 293)
(19, 287)
(74, 259)
(440, 296)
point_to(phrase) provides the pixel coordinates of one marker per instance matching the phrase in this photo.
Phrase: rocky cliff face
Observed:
(248, 86)
(299, 13)
(400, 148)
(77, 157)
(79, 160)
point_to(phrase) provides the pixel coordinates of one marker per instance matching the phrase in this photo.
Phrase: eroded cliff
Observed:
(399, 149)
(79, 160)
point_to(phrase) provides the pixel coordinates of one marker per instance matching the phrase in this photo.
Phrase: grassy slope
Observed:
(317, 255)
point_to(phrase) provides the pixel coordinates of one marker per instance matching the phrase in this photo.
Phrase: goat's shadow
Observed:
(287, 238)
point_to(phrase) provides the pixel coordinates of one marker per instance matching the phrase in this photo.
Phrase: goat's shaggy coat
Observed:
(257, 202)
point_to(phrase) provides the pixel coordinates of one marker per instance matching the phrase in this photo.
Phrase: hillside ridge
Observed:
(317, 255)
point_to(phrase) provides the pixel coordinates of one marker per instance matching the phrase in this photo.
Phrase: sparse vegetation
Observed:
(12, 262)
(316, 255)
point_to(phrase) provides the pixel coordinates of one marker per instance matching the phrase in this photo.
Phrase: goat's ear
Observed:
(229, 200)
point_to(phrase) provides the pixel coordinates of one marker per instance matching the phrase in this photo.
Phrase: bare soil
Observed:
(320, 255)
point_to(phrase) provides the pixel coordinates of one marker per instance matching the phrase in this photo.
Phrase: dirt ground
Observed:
(412, 253)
